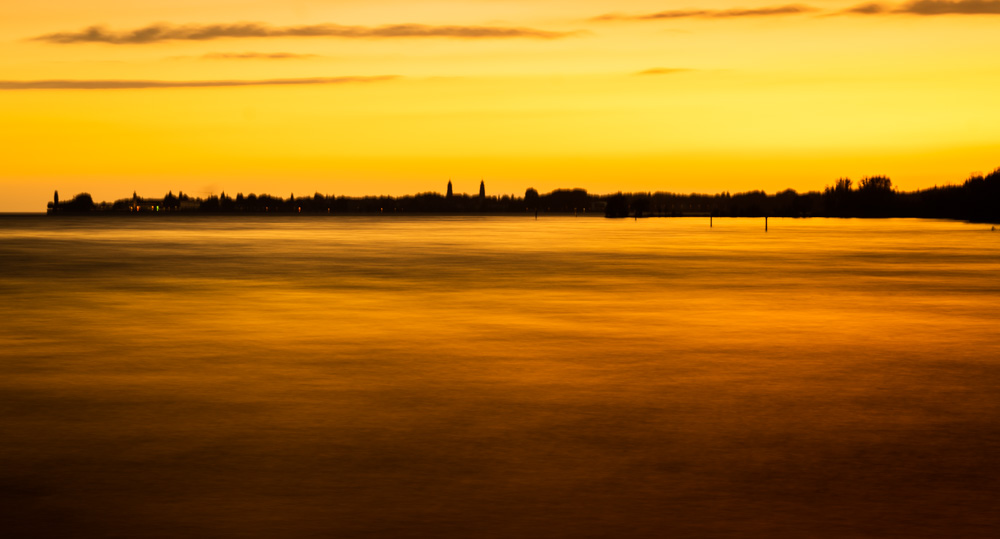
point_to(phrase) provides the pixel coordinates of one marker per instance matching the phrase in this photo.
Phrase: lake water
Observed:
(498, 377)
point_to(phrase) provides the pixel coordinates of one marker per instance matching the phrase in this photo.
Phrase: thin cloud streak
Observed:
(156, 33)
(930, 7)
(867, 9)
(145, 84)
(795, 9)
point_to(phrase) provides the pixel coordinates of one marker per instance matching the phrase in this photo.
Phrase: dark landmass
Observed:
(977, 199)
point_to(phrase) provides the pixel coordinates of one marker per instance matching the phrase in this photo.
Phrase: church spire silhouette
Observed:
(449, 189)
(482, 189)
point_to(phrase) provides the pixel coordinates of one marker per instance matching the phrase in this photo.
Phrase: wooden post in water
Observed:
(765, 223)
(709, 221)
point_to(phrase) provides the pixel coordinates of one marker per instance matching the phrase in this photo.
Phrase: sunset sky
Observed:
(396, 97)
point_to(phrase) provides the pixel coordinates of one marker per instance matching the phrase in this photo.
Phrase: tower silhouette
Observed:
(482, 189)
(449, 189)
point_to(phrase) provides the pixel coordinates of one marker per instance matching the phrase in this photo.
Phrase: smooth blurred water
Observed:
(498, 377)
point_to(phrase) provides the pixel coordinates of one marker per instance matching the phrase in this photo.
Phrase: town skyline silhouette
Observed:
(976, 199)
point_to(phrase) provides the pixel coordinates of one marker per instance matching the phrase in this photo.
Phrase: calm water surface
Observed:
(498, 377)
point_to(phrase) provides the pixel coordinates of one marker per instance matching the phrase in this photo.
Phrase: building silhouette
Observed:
(482, 189)
(449, 189)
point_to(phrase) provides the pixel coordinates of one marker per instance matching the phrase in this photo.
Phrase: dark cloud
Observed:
(256, 56)
(711, 13)
(868, 9)
(141, 84)
(662, 71)
(944, 7)
(200, 32)
(931, 7)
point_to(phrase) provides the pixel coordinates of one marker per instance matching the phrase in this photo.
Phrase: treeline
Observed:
(977, 199)
(320, 203)
(558, 201)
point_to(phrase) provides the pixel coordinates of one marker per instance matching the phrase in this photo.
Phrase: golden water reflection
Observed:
(498, 377)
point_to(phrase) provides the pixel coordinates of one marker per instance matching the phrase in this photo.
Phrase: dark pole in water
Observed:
(765, 224)
(709, 221)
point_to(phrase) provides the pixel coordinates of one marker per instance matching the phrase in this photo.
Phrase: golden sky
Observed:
(396, 97)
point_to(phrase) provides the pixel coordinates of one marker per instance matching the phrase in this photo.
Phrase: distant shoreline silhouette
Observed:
(977, 199)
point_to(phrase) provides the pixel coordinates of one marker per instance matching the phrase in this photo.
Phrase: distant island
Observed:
(977, 199)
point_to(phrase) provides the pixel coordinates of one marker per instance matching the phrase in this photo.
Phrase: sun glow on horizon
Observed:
(395, 98)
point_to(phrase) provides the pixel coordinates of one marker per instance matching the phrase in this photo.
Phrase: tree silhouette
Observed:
(531, 198)
(80, 203)
(875, 184)
(617, 206)
(839, 199)
(170, 202)
(875, 196)
(640, 205)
